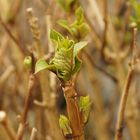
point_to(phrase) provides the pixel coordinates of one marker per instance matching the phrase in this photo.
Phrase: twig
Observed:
(120, 121)
(100, 68)
(15, 9)
(105, 27)
(118, 5)
(26, 108)
(35, 29)
(3, 48)
(89, 16)
(7, 126)
(125, 93)
(11, 35)
(52, 77)
(6, 74)
(33, 134)
(124, 27)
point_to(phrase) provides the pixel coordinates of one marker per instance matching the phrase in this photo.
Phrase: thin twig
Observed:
(100, 68)
(7, 125)
(124, 27)
(125, 93)
(35, 29)
(117, 6)
(15, 8)
(105, 27)
(11, 35)
(89, 16)
(51, 50)
(26, 108)
(120, 121)
(4, 77)
(33, 134)
(10, 131)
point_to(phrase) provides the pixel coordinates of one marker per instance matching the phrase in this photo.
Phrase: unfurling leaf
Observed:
(41, 64)
(64, 24)
(79, 28)
(78, 46)
(85, 106)
(136, 16)
(54, 35)
(77, 65)
(65, 62)
(65, 125)
(79, 15)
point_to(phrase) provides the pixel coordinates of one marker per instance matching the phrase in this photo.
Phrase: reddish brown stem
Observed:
(73, 112)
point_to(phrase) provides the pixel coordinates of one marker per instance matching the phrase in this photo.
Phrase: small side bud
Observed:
(28, 62)
(65, 125)
(85, 106)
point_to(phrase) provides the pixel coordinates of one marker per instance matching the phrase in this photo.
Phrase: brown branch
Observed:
(26, 108)
(15, 8)
(88, 18)
(104, 41)
(7, 125)
(120, 121)
(11, 35)
(125, 93)
(100, 68)
(125, 24)
(117, 6)
(4, 77)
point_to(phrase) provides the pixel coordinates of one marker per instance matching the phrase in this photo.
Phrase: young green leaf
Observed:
(77, 65)
(63, 59)
(79, 15)
(54, 35)
(136, 6)
(83, 29)
(41, 64)
(64, 24)
(65, 62)
(78, 46)
(85, 105)
(78, 29)
(65, 125)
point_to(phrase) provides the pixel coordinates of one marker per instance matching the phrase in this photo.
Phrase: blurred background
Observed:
(102, 75)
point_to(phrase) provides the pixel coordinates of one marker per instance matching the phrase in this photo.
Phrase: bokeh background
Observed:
(102, 75)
